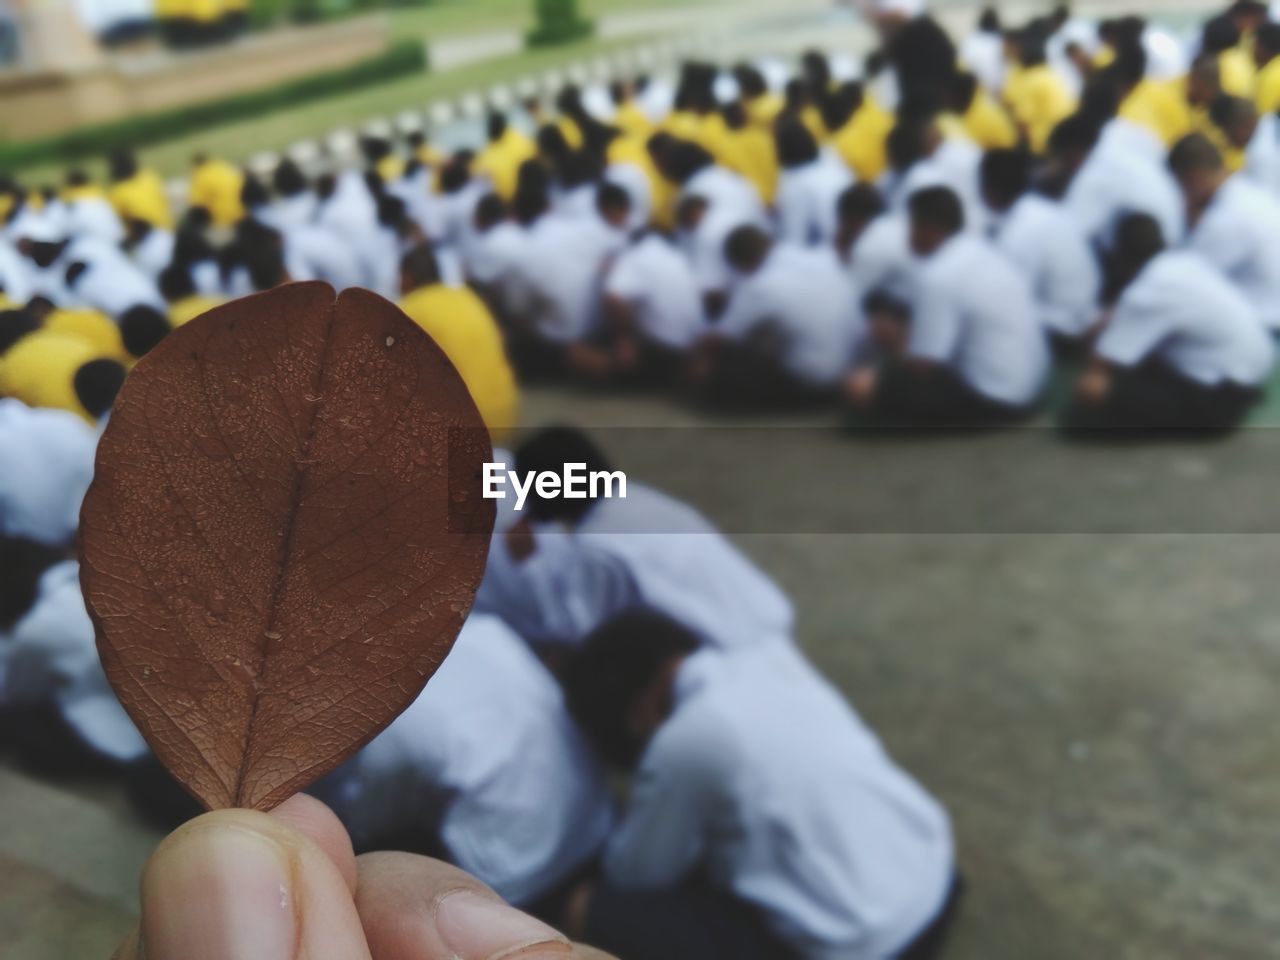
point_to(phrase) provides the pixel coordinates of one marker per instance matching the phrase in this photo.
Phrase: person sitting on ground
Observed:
(644, 550)
(875, 244)
(808, 186)
(652, 308)
(973, 353)
(1183, 353)
(922, 157)
(179, 291)
(462, 326)
(1256, 137)
(790, 332)
(1041, 238)
(765, 819)
(1233, 223)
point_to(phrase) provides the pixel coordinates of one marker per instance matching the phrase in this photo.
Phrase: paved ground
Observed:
(1098, 711)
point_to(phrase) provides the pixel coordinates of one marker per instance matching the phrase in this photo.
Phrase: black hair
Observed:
(533, 193)
(1267, 37)
(746, 246)
(455, 175)
(989, 20)
(682, 160)
(1194, 152)
(45, 252)
(96, 384)
(615, 664)
(1080, 131)
(375, 148)
(839, 106)
(551, 142)
(549, 451)
(14, 325)
(1226, 110)
(751, 82)
(74, 272)
(421, 266)
(963, 88)
(937, 207)
(24, 562)
(796, 145)
(141, 328)
(816, 69)
(617, 92)
(253, 193)
(175, 283)
(860, 203)
(687, 206)
(1138, 241)
(1006, 174)
(610, 196)
(391, 212)
(905, 145)
(1220, 34)
(288, 179)
(122, 165)
(77, 178)
(490, 209)
(496, 125)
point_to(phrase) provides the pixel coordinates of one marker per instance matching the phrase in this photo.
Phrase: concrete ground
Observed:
(1098, 711)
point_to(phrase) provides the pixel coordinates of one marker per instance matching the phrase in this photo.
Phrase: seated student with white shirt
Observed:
(973, 353)
(1039, 236)
(922, 157)
(652, 307)
(1257, 136)
(765, 820)
(875, 244)
(1232, 222)
(792, 328)
(808, 187)
(585, 561)
(1183, 353)
(486, 769)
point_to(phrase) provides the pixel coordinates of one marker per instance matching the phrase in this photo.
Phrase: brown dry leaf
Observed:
(273, 551)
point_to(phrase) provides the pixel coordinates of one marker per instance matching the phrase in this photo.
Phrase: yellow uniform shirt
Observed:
(1238, 73)
(572, 134)
(40, 370)
(1040, 101)
(93, 327)
(751, 153)
(684, 124)
(863, 141)
(501, 160)
(811, 117)
(1159, 107)
(1268, 88)
(216, 186)
(465, 330)
(188, 308)
(390, 168)
(142, 197)
(763, 110)
(632, 121)
(988, 125)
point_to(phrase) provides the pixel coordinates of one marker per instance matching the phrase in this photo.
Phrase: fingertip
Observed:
(314, 820)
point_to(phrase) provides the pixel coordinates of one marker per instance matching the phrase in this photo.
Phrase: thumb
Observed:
(236, 884)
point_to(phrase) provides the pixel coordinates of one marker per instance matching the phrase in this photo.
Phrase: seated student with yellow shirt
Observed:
(749, 151)
(216, 186)
(57, 370)
(180, 293)
(1036, 94)
(1266, 55)
(89, 325)
(500, 161)
(628, 116)
(462, 326)
(1221, 38)
(863, 141)
(138, 194)
(761, 104)
(982, 119)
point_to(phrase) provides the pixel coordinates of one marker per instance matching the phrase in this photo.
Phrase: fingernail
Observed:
(476, 927)
(219, 894)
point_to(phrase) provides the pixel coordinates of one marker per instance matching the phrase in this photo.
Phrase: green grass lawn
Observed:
(451, 17)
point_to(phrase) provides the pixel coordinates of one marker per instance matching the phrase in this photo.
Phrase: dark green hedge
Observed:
(558, 22)
(399, 60)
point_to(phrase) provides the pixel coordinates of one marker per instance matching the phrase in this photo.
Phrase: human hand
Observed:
(243, 885)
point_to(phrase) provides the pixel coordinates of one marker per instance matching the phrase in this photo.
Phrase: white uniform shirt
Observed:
(112, 283)
(1045, 241)
(313, 252)
(983, 54)
(767, 778)
(648, 550)
(563, 271)
(1239, 233)
(46, 465)
(93, 217)
(154, 253)
(1262, 156)
(50, 656)
(656, 281)
(489, 755)
(807, 202)
(881, 260)
(1113, 183)
(1183, 312)
(726, 193)
(972, 311)
(15, 274)
(635, 181)
(955, 164)
(809, 302)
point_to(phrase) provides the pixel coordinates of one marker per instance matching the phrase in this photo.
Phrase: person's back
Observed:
(1182, 311)
(488, 763)
(809, 302)
(658, 283)
(1041, 238)
(806, 201)
(1238, 233)
(791, 804)
(563, 269)
(972, 310)
(48, 456)
(462, 326)
(1116, 182)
